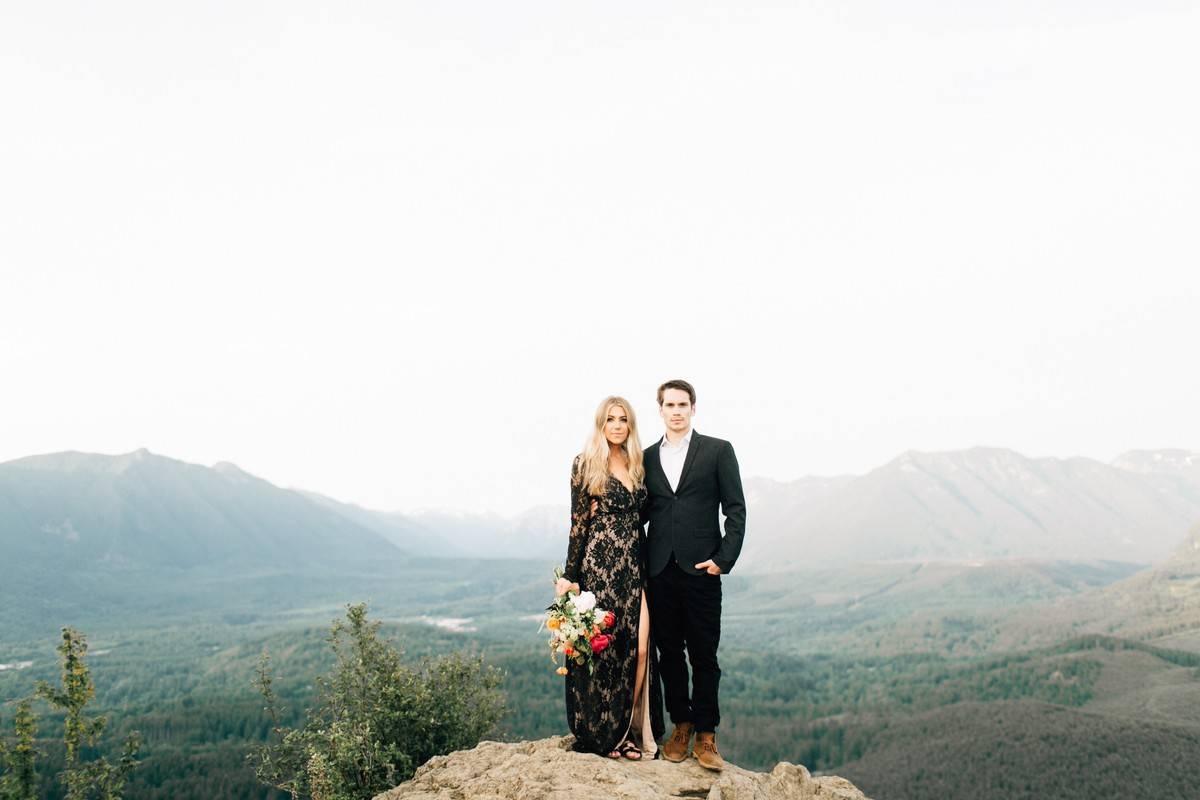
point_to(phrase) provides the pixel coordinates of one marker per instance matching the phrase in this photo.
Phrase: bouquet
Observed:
(577, 628)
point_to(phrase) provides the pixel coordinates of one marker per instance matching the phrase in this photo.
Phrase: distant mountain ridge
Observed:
(140, 510)
(1168, 462)
(538, 532)
(403, 531)
(144, 509)
(981, 503)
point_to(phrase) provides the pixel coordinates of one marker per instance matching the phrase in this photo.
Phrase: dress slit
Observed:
(642, 708)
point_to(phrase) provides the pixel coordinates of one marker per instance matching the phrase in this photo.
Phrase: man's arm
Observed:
(733, 506)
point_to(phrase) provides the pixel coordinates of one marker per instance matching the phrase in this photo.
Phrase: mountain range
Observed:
(146, 510)
(982, 503)
(72, 511)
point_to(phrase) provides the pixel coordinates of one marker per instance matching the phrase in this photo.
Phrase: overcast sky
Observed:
(397, 252)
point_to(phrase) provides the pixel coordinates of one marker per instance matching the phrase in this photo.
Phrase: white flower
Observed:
(584, 602)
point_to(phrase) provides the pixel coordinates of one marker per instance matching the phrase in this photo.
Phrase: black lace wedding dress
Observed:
(605, 556)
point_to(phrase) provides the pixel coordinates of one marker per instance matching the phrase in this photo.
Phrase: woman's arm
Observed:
(580, 517)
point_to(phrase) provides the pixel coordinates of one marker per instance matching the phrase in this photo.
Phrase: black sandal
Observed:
(630, 750)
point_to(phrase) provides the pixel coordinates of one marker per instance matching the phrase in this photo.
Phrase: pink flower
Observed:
(600, 642)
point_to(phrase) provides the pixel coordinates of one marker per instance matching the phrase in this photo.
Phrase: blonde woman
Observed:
(616, 711)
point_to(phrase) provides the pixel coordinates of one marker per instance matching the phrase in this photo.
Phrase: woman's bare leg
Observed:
(643, 648)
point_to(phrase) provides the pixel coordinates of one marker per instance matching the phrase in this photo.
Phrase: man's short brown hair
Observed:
(679, 384)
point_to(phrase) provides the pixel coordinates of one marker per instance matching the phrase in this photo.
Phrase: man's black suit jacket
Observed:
(685, 521)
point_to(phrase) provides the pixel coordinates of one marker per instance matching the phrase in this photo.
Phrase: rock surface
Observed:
(548, 770)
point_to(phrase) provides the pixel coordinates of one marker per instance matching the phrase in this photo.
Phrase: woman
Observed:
(615, 711)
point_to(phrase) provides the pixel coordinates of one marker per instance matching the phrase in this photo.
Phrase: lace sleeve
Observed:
(580, 506)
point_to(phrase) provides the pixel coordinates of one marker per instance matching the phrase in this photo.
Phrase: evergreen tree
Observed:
(19, 781)
(95, 778)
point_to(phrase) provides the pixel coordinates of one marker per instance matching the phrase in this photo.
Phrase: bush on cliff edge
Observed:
(375, 720)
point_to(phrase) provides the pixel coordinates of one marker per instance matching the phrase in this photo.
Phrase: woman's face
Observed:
(616, 426)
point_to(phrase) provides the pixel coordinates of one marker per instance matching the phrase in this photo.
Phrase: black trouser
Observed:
(685, 613)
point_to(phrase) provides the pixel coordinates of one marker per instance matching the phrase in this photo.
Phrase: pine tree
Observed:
(96, 776)
(19, 781)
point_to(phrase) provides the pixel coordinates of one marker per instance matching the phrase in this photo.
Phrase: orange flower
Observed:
(561, 670)
(554, 623)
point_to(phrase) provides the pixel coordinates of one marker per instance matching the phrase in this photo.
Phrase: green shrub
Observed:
(375, 720)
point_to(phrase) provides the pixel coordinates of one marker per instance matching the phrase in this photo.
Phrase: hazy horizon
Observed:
(397, 254)
(562, 501)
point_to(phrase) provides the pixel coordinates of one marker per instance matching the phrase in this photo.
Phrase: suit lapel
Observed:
(688, 460)
(654, 470)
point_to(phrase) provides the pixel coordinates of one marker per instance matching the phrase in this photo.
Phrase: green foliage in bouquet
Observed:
(375, 720)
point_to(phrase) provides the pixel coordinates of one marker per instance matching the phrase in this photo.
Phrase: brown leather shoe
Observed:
(706, 753)
(676, 748)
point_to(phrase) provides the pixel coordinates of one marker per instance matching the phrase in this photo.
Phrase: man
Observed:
(687, 477)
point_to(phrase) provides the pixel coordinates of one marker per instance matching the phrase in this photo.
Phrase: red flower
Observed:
(610, 619)
(600, 642)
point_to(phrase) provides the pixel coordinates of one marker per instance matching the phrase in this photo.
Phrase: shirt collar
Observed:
(686, 441)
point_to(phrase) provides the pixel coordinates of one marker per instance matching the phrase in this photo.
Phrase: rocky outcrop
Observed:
(549, 770)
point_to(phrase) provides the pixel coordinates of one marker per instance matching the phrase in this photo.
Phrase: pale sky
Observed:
(397, 252)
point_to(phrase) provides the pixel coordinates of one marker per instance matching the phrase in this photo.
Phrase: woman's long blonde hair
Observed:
(595, 453)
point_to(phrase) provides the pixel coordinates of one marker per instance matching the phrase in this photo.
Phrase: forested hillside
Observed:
(911, 677)
(821, 667)
(187, 689)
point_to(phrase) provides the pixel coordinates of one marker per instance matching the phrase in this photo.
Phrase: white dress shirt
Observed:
(672, 456)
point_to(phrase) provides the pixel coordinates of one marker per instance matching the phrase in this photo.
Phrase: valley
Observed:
(993, 677)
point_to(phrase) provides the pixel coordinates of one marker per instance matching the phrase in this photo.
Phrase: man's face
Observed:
(676, 410)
